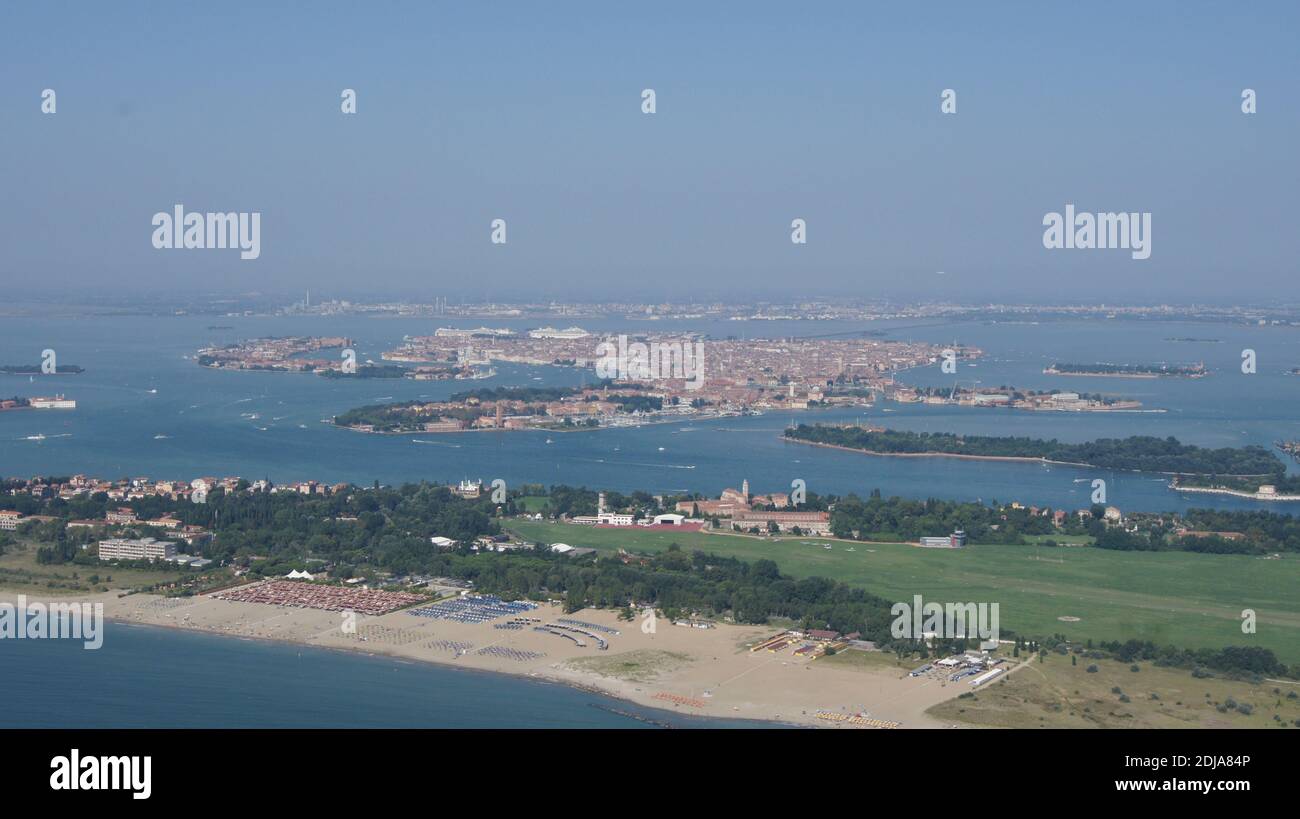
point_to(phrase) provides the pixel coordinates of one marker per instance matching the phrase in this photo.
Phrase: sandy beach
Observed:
(706, 672)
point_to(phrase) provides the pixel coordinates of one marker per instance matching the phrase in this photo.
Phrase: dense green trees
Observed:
(900, 519)
(677, 583)
(1139, 453)
(1230, 660)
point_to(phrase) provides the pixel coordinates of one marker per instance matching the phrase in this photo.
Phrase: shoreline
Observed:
(1125, 375)
(708, 673)
(586, 688)
(575, 428)
(1016, 458)
(1237, 493)
(961, 456)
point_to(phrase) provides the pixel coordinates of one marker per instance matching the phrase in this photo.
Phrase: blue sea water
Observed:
(147, 677)
(199, 422)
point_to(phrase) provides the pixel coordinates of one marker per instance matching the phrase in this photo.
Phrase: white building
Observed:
(122, 548)
(551, 332)
(469, 489)
(57, 402)
(937, 542)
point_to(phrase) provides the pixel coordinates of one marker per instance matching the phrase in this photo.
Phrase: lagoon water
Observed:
(146, 677)
(202, 422)
(144, 408)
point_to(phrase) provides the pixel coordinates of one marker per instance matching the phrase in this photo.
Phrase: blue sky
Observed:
(766, 112)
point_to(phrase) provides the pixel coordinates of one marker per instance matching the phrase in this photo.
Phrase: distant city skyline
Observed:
(831, 115)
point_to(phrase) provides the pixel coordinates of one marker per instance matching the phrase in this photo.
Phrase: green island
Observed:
(477, 409)
(1138, 453)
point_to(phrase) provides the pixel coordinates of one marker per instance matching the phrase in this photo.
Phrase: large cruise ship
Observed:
(57, 402)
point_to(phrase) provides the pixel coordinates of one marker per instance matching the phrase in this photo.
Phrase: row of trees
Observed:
(677, 583)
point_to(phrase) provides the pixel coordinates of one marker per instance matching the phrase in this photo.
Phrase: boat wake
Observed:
(634, 463)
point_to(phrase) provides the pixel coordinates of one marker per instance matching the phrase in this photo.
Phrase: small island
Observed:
(521, 408)
(37, 402)
(1130, 370)
(1138, 453)
(292, 354)
(1015, 398)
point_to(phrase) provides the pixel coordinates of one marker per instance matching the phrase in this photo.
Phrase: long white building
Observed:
(122, 548)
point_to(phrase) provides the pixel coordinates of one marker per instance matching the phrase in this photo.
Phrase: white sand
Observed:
(715, 672)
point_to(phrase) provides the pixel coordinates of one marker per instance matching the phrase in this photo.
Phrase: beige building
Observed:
(143, 549)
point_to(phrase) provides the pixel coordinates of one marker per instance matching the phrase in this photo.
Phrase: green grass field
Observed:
(533, 503)
(19, 571)
(1171, 598)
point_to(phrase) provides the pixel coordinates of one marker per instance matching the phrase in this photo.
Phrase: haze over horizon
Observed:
(468, 114)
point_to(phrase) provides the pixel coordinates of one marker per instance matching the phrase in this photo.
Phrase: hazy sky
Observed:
(531, 112)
